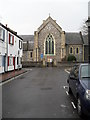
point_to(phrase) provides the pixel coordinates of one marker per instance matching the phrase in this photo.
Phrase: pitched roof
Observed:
(27, 38)
(49, 19)
(73, 38)
(10, 30)
(30, 40)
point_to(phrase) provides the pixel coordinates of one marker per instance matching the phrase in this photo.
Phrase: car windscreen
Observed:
(85, 71)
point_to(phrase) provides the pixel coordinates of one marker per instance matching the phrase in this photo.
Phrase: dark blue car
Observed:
(79, 86)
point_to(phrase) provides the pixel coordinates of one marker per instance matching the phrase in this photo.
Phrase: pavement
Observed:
(11, 74)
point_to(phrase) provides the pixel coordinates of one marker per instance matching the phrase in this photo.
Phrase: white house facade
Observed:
(10, 50)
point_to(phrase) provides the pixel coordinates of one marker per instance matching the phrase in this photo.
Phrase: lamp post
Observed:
(89, 29)
(88, 24)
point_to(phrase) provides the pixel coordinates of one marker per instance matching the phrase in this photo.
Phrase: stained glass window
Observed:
(49, 45)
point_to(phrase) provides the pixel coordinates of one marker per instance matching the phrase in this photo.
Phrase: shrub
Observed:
(71, 58)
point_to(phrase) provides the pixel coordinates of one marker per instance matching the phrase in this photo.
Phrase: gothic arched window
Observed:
(49, 45)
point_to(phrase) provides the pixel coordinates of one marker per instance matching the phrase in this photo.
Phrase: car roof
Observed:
(84, 64)
(80, 64)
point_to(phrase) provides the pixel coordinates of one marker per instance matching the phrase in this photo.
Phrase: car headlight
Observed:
(87, 94)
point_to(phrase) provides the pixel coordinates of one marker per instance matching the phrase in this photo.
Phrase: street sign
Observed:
(41, 55)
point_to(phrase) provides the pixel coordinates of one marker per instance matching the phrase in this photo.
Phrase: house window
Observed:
(49, 45)
(17, 60)
(77, 50)
(71, 50)
(20, 60)
(11, 39)
(3, 60)
(31, 54)
(2, 34)
(0, 60)
(20, 44)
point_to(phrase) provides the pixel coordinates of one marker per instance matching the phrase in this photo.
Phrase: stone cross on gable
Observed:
(49, 14)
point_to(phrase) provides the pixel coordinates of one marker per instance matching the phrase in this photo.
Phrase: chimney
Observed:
(6, 25)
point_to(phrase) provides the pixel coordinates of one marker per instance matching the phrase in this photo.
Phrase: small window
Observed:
(2, 34)
(77, 50)
(0, 60)
(31, 54)
(17, 60)
(20, 44)
(11, 39)
(71, 50)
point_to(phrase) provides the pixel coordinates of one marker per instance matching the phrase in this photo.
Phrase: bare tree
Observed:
(84, 28)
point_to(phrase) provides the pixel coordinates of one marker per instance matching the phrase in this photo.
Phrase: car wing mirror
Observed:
(73, 77)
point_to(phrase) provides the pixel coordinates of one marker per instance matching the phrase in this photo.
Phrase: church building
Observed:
(50, 44)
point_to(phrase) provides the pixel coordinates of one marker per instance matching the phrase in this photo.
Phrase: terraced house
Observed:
(50, 44)
(10, 49)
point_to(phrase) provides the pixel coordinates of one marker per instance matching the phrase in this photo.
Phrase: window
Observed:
(0, 60)
(85, 71)
(31, 54)
(77, 50)
(49, 45)
(11, 39)
(3, 60)
(20, 44)
(20, 60)
(71, 50)
(17, 60)
(2, 34)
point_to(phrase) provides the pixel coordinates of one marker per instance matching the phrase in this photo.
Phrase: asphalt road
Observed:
(40, 93)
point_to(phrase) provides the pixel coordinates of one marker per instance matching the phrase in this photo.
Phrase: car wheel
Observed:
(70, 91)
(79, 107)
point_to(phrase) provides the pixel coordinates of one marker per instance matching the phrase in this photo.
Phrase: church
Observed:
(50, 44)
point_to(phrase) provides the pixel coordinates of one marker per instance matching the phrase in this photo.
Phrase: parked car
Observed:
(79, 86)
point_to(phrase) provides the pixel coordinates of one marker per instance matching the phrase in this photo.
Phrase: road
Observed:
(40, 93)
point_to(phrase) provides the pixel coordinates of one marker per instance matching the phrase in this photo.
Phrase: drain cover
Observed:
(48, 88)
(22, 77)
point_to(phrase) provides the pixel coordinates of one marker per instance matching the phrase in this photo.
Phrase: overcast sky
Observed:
(25, 16)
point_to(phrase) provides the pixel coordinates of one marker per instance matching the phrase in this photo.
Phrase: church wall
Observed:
(27, 56)
(49, 28)
(78, 56)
